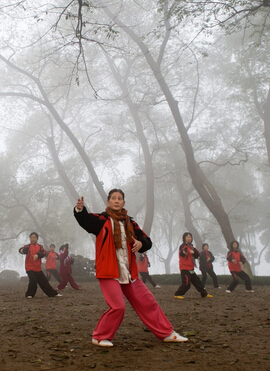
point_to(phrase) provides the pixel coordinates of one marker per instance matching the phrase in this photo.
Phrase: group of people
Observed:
(118, 240)
(34, 253)
(187, 255)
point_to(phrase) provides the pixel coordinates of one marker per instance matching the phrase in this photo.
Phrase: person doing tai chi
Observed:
(187, 255)
(118, 239)
(34, 253)
(51, 264)
(206, 266)
(235, 263)
(65, 269)
(143, 264)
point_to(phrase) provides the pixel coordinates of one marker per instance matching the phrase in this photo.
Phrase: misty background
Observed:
(167, 100)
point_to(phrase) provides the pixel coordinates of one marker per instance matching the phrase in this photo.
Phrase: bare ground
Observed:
(229, 331)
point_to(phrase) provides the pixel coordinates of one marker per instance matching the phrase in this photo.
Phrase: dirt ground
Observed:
(229, 331)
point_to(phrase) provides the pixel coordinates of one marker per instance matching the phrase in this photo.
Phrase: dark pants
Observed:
(39, 278)
(53, 272)
(187, 279)
(244, 276)
(211, 274)
(146, 276)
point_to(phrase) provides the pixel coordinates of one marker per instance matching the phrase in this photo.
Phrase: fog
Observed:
(169, 103)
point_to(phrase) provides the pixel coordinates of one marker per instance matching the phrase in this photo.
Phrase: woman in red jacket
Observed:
(51, 264)
(187, 255)
(118, 238)
(65, 269)
(34, 253)
(235, 262)
(143, 264)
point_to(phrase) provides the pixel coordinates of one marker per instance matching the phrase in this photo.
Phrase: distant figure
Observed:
(235, 262)
(34, 253)
(143, 265)
(51, 263)
(65, 269)
(118, 239)
(206, 266)
(187, 255)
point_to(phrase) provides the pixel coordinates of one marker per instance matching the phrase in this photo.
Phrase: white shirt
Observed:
(122, 257)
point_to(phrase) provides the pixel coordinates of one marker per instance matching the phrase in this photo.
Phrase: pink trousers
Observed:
(141, 299)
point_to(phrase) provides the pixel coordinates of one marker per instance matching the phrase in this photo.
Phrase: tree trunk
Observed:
(68, 186)
(150, 199)
(266, 120)
(204, 188)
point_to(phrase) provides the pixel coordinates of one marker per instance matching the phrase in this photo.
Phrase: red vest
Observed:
(143, 264)
(187, 262)
(238, 257)
(30, 264)
(51, 260)
(106, 260)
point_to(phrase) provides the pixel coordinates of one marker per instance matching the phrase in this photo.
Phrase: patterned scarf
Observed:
(123, 217)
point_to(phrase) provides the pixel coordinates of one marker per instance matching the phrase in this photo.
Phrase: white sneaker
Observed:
(58, 296)
(228, 291)
(249, 290)
(174, 338)
(157, 287)
(102, 343)
(29, 297)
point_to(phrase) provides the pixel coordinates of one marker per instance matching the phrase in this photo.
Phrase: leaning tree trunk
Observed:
(204, 188)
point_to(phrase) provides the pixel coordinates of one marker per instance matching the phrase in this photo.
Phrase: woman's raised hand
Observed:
(80, 203)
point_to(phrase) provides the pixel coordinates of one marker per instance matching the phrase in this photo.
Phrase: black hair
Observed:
(115, 190)
(31, 234)
(233, 243)
(52, 244)
(204, 244)
(185, 235)
(63, 246)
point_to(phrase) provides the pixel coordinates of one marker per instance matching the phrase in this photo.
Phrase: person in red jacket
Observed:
(143, 264)
(118, 239)
(187, 255)
(65, 269)
(235, 262)
(34, 253)
(51, 263)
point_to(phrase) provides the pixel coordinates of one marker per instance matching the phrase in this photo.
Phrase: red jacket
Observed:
(143, 264)
(51, 260)
(186, 261)
(238, 257)
(29, 251)
(106, 259)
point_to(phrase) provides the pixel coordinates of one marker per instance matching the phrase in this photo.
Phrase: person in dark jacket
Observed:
(65, 269)
(118, 239)
(187, 255)
(34, 253)
(235, 262)
(206, 265)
